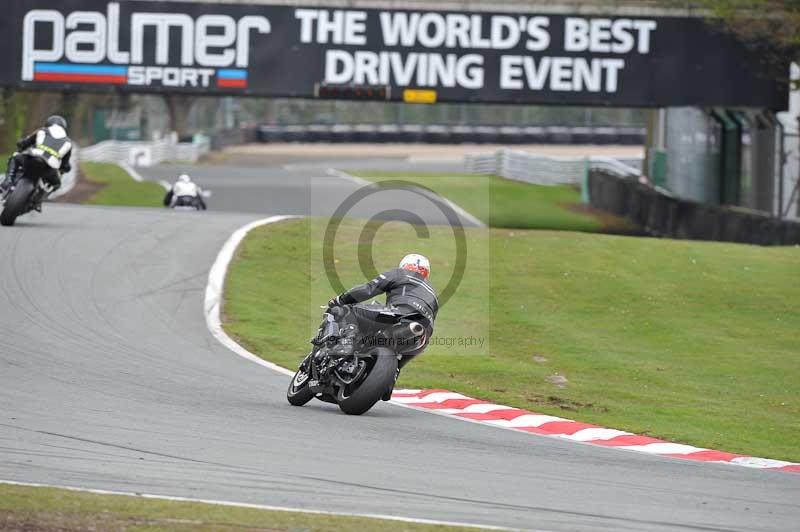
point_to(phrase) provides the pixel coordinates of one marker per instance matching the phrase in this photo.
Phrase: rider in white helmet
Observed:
(407, 288)
(185, 193)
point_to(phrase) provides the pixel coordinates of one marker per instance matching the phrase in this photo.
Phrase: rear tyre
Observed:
(298, 393)
(379, 379)
(16, 202)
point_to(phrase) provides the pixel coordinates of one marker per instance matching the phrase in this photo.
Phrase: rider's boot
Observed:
(48, 190)
(5, 185)
(10, 174)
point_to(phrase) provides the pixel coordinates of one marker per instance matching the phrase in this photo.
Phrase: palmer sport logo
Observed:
(84, 47)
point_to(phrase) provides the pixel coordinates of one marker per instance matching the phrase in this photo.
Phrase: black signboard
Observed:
(420, 56)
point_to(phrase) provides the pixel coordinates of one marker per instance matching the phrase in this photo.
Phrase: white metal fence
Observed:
(137, 153)
(546, 170)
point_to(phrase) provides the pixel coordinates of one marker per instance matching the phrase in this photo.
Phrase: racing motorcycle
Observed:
(25, 195)
(187, 203)
(351, 369)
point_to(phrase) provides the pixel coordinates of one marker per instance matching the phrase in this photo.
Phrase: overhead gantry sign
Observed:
(422, 56)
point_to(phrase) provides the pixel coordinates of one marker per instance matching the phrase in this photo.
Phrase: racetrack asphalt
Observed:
(301, 186)
(109, 379)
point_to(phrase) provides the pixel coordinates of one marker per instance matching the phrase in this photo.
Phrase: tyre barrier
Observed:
(664, 215)
(447, 134)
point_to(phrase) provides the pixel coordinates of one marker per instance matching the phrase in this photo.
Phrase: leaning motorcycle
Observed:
(351, 369)
(25, 195)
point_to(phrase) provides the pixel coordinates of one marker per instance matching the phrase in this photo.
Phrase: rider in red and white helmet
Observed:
(417, 263)
(407, 289)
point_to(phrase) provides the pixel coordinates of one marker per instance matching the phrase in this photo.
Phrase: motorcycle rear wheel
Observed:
(377, 382)
(16, 202)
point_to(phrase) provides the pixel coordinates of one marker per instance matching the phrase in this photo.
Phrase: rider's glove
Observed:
(334, 302)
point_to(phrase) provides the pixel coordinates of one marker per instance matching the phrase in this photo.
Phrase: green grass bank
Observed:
(118, 189)
(687, 341)
(499, 202)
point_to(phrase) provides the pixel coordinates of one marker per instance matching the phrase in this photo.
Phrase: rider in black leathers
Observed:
(406, 288)
(45, 153)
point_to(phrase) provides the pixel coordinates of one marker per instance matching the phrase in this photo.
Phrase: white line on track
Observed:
(363, 182)
(257, 506)
(347, 177)
(212, 304)
(216, 285)
(136, 176)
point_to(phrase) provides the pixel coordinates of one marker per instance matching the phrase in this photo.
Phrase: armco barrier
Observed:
(545, 170)
(138, 153)
(662, 214)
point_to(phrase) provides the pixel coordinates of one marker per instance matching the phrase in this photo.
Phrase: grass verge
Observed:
(29, 508)
(118, 189)
(499, 202)
(687, 341)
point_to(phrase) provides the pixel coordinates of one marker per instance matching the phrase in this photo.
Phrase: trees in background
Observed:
(776, 22)
(22, 111)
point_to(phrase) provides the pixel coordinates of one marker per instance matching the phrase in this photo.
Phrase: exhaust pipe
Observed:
(408, 333)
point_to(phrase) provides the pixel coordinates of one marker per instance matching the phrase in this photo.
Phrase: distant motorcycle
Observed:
(350, 369)
(188, 203)
(24, 196)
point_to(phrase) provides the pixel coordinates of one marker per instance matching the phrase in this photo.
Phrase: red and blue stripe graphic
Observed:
(66, 73)
(232, 78)
(229, 78)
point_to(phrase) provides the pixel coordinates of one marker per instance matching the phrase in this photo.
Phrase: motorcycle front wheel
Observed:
(298, 393)
(16, 202)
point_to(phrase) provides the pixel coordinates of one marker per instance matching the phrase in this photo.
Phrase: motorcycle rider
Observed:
(45, 154)
(185, 192)
(407, 289)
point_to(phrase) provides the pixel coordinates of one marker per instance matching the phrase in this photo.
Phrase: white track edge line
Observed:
(254, 506)
(211, 309)
(216, 285)
(359, 181)
(347, 177)
(136, 176)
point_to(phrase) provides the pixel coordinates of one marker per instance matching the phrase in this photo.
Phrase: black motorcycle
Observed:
(24, 195)
(353, 369)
